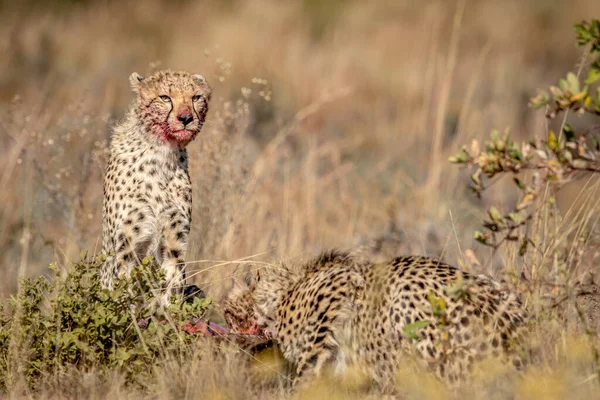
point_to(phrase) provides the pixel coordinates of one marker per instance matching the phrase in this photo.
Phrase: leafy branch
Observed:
(555, 159)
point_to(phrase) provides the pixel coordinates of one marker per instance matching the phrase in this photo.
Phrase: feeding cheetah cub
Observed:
(147, 190)
(340, 310)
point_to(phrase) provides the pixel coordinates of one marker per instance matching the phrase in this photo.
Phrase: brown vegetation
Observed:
(331, 122)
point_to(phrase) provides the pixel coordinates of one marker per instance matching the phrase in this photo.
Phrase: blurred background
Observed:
(332, 121)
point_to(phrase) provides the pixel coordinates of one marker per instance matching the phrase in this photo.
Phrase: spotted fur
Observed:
(147, 190)
(339, 309)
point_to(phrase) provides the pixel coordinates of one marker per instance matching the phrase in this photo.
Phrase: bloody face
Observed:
(174, 107)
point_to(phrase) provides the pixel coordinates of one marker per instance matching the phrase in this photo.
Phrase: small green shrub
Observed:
(52, 325)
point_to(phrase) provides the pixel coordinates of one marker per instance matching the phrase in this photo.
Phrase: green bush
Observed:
(52, 325)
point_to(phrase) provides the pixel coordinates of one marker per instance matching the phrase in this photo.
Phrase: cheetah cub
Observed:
(147, 190)
(340, 310)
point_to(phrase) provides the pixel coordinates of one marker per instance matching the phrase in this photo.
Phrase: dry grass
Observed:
(330, 121)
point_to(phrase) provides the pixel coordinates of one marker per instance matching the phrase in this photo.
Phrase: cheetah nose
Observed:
(185, 118)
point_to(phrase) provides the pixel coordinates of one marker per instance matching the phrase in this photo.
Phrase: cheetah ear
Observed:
(199, 78)
(135, 80)
(248, 280)
(239, 286)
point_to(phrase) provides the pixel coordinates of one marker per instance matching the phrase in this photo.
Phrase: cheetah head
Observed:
(251, 307)
(172, 106)
(238, 309)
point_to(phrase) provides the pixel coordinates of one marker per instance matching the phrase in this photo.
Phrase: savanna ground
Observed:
(330, 122)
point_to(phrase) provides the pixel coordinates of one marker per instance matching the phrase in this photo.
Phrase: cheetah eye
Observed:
(166, 99)
(195, 98)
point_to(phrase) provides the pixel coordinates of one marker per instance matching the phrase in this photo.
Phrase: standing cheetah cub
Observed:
(147, 190)
(340, 310)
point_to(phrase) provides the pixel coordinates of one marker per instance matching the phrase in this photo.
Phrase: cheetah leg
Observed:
(172, 251)
(125, 258)
(172, 265)
(322, 351)
(108, 272)
(128, 245)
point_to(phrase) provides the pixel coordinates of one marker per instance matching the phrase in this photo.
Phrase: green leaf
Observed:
(411, 330)
(540, 100)
(573, 83)
(515, 154)
(438, 304)
(152, 328)
(205, 302)
(515, 217)
(563, 85)
(147, 260)
(593, 76)
(495, 135)
(480, 237)
(457, 290)
(580, 164)
(552, 140)
(495, 215)
(476, 177)
(566, 155)
(460, 158)
(583, 36)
